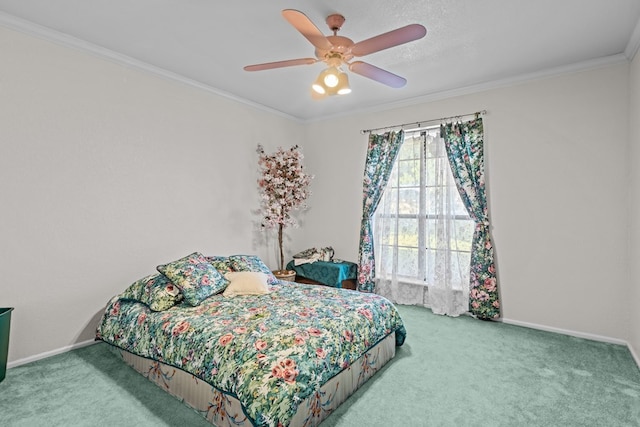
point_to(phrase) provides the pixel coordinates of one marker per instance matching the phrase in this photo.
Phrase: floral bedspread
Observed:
(270, 351)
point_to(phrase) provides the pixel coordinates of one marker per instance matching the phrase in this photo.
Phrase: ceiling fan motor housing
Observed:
(339, 45)
(335, 22)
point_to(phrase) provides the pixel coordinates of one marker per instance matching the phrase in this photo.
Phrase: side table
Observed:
(342, 274)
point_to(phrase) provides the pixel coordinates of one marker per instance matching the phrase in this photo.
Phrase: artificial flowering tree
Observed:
(284, 188)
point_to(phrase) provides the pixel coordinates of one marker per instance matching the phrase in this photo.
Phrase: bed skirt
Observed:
(224, 410)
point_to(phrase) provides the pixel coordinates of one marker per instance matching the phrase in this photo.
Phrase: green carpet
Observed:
(450, 372)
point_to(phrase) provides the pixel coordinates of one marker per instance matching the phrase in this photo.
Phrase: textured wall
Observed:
(556, 164)
(106, 172)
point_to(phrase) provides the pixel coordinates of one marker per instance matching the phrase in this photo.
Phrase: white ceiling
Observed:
(468, 43)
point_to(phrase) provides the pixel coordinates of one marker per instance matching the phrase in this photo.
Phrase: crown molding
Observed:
(634, 43)
(17, 24)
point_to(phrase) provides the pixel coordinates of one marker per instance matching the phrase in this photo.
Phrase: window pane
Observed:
(458, 206)
(387, 231)
(433, 149)
(462, 234)
(407, 262)
(452, 267)
(385, 253)
(408, 232)
(431, 171)
(389, 200)
(409, 201)
(410, 149)
(460, 262)
(431, 233)
(409, 171)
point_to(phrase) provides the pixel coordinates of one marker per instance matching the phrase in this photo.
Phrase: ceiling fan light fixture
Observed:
(343, 84)
(322, 89)
(331, 77)
(318, 87)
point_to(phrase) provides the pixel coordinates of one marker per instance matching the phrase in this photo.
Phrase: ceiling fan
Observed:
(336, 51)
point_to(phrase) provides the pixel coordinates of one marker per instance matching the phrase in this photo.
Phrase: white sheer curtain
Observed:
(422, 230)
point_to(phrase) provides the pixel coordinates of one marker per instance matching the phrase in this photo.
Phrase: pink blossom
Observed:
(260, 345)
(321, 353)
(490, 284)
(276, 371)
(366, 313)
(141, 318)
(289, 375)
(115, 308)
(285, 369)
(180, 328)
(314, 332)
(225, 339)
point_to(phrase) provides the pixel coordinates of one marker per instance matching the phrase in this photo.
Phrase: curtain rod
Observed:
(420, 123)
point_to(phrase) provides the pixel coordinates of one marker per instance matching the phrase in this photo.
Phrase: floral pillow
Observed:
(154, 290)
(246, 283)
(195, 276)
(221, 263)
(251, 263)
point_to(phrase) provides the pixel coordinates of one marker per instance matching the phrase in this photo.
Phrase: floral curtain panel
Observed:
(381, 156)
(464, 143)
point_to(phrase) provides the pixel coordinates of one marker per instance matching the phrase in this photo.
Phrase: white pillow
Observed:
(246, 283)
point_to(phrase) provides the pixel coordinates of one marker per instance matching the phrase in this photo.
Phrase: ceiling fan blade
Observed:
(377, 74)
(280, 64)
(392, 38)
(307, 28)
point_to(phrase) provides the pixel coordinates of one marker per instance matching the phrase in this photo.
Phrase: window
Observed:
(422, 230)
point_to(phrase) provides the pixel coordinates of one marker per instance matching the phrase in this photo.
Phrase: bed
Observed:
(270, 353)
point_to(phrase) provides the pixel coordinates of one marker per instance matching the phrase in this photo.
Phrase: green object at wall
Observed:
(5, 326)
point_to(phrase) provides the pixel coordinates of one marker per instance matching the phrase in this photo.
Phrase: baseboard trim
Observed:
(50, 353)
(576, 334)
(634, 354)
